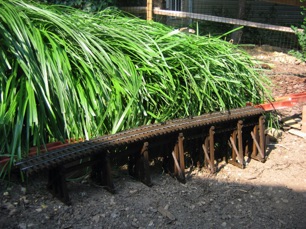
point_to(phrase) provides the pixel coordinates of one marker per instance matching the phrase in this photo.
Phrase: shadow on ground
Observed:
(204, 201)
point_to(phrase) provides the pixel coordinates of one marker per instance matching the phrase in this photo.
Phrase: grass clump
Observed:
(70, 74)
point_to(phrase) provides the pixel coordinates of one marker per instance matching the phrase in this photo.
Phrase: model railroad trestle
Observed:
(206, 139)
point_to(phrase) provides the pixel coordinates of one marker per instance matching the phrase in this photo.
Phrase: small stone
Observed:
(84, 181)
(281, 222)
(166, 213)
(223, 224)
(23, 190)
(38, 210)
(24, 200)
(10, 206)
(114, 215)
(112, 201)
(5, 193)
(154, 210)
(133, 191)
(96, 218)
(12, 212)
(201, 203)
(135, 224)
(82, 194)
(151, 224)
(285, 201)
(22, 226)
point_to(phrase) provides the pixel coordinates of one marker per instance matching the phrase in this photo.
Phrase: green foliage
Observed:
(69, 74)
(301, 38)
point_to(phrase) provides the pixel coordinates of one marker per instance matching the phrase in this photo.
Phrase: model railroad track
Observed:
(242, 129)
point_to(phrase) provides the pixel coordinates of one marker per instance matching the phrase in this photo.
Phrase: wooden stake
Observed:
(304, 119)
(149, 10)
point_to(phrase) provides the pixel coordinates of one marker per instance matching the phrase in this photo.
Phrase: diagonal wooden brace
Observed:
(259, 144)
(237, 153)
(208, 159)
(177, 167)
(209, 150)
(179, 159)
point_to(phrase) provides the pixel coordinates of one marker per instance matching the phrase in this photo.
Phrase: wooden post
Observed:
(234, 143)
(176, 154)
(149, 10)
(304, 119)
(236, 36)
(212, 146)
(106, 174)
(57, 184)
(256, 137)
(262, 137)
(145, 176)
(139, 165)
(181, 153)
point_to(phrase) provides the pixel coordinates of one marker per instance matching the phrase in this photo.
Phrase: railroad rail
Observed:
(230, 135)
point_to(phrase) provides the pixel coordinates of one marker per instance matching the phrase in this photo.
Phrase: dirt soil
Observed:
(263, 195)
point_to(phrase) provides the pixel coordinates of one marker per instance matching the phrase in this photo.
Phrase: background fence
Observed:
(265, 21)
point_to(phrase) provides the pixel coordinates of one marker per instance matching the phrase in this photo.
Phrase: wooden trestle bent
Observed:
(233, 134)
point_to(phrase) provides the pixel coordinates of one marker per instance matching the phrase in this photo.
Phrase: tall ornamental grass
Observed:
(67, 74)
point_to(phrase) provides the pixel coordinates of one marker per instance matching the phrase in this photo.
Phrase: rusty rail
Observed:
(224, 128)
